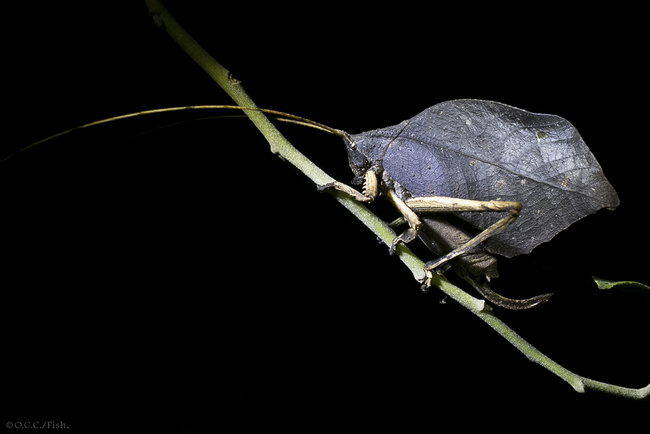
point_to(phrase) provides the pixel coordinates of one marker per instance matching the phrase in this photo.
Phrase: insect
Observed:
(453, 170)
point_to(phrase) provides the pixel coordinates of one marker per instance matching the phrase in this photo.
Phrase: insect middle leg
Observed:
(446, 204)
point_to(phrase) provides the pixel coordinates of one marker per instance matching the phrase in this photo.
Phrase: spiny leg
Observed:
(475, 266)
(408, 216)
(499, 300)
(445, 204)
(408, 210)
(496, 228)
(370, 188)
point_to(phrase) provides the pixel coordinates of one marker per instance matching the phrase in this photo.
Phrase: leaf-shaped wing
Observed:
(485, 150)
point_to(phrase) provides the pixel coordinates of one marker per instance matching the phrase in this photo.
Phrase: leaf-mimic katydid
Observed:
(453, 170)
(474, 160)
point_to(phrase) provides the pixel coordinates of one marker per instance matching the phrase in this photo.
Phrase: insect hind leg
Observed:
(499, 300)
(446, 204)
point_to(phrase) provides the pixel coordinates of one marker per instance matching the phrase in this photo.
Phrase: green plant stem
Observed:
(281, 146)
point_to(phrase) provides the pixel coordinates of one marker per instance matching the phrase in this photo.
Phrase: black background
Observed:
(187, 279)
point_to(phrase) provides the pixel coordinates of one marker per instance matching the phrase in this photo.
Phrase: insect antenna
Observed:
(282, 116)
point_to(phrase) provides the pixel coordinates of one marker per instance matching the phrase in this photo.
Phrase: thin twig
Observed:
(282, 147)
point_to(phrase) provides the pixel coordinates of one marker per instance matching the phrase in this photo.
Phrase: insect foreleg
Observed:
(370, 188)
